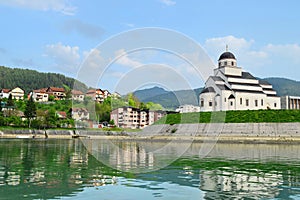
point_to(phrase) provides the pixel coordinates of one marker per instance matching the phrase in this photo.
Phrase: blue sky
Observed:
(57, 35)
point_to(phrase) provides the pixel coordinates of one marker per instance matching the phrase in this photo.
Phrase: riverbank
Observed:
(210, 132)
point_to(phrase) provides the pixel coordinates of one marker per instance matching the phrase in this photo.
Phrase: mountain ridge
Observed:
(29, 79)
(169, 99)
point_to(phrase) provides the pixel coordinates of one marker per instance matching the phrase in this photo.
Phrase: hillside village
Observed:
(78, 115)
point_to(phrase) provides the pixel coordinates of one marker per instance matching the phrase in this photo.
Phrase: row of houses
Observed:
(43, 94)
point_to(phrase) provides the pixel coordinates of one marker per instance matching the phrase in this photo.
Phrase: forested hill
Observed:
(30, 79)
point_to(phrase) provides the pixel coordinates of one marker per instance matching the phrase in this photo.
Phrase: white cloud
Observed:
(240, 47)
(168, 2)
(278, 60)
(124, 59)
(218, 45)
(85, 29)
(288, 52)
(62, 6)
(66, 58)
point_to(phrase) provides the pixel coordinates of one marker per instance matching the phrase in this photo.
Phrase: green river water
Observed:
(74, 169)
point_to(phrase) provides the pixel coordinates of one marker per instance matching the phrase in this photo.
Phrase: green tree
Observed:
(103, 111)
(30, 110)
(10, 102)
(154, 106)
(51, 118)
(133, 101)
(68, 91)
(51, 98)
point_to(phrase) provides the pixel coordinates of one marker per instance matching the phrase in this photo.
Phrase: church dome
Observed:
(227, 55)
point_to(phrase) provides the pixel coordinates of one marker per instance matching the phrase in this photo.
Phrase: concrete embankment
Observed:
(53, 133)
(228, 132)
(221, 132)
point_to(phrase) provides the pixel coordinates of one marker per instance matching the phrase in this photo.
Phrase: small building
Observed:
(106, 94)
(98, 95)
(80, 114)
(4, 93)
(16, 93)
(290, 102)
(39, 95)
(61, 114)
(115, 95)
(188, 109)
(77, 95)
(58, 93)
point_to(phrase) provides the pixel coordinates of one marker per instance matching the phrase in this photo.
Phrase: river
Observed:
(99, 169)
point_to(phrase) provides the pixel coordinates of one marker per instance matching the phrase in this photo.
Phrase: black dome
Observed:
(227, 55)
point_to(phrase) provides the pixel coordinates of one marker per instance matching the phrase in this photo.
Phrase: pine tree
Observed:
(30, 110)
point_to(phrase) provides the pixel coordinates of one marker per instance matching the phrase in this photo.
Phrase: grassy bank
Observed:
(247, 116)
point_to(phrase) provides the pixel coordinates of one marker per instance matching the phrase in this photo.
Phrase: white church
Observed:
(233, 89)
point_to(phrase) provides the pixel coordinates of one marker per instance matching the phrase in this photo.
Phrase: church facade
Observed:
(233, 89)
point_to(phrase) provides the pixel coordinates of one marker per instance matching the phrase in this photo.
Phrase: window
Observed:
(224, 99)
(262, 102)
(256, 103)
(232, 63)
(225, 63)
(210, 103)
(241, 101)
(231, 103)
(247, 102)
(202, 102)
(216, 103)
(275, 105)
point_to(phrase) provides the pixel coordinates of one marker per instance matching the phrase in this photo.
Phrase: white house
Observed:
(230, 88)
(16, 93)
(4, 93)
(188, 109)
(80, 114)
(77, 95)
(40, 95)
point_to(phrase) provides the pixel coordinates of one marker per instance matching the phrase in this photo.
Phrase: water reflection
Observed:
(48, 169)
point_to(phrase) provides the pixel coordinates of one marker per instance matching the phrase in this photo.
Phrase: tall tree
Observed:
(30, 110)
(10, 101)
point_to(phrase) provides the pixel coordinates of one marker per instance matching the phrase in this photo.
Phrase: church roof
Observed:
(245, 75)
(231, 96)
(223, 87)
(217, 78)
(207, 90)
(226, 55)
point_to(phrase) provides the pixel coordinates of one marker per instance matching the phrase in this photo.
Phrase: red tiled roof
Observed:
(55, 89)
(62, 114)
(42, 90)
(92, 91)
(77, 92)
(6, 90)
